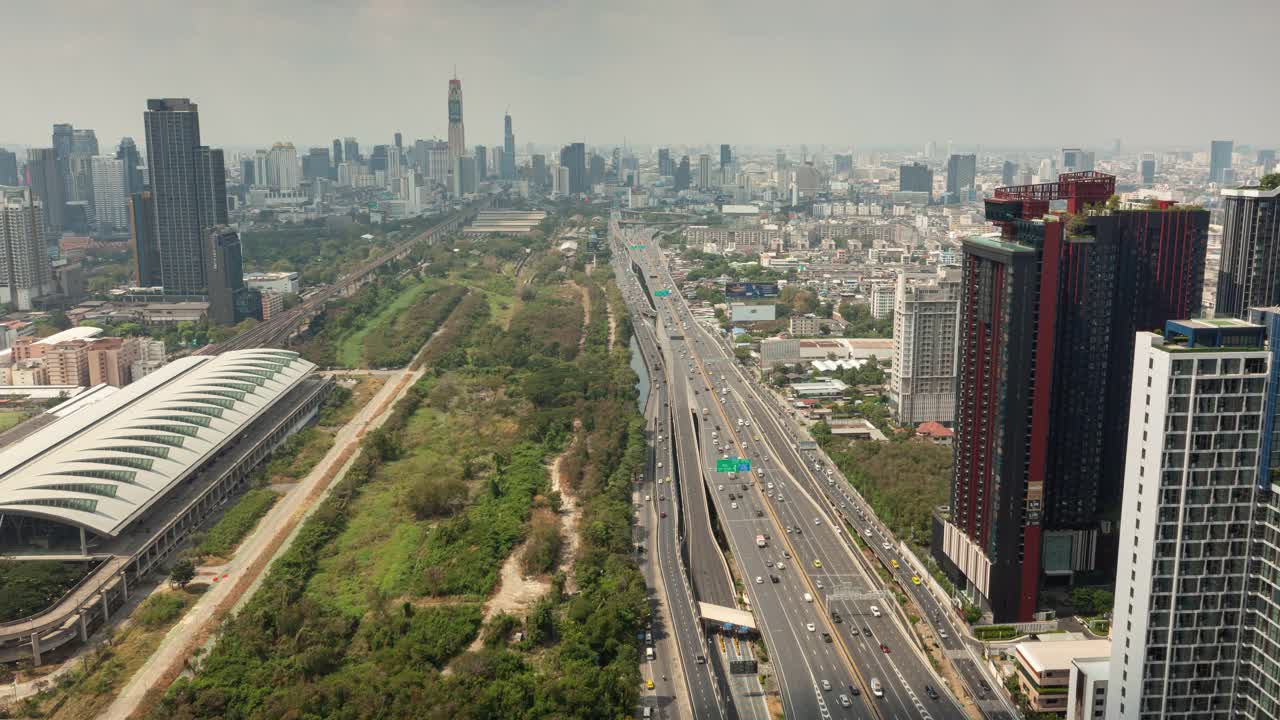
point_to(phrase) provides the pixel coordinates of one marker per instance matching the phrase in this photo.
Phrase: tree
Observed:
(1270, 181)
(183, 572)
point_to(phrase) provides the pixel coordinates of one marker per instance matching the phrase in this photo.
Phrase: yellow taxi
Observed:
(817, 563)
(915, 579)
(648, 684)
(894, 563)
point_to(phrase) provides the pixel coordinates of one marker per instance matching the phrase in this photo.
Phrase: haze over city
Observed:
(996, 73)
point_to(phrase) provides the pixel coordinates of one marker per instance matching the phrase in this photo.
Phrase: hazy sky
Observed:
(839, 72)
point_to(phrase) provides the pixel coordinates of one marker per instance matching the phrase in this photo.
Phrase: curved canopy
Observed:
(100, 467)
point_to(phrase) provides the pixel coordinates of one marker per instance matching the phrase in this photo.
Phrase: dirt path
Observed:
(586, 311)
(613, 325)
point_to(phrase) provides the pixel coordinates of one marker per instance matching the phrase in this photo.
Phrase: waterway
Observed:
(637, 364)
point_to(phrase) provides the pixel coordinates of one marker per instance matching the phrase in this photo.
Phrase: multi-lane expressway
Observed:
(822, 575)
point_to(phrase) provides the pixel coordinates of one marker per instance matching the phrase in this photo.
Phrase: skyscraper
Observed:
(1249, 273)
(1267, 160)
(109, 195)
(62, 141)
(682, 178)
(539, 170)
(283, 172)
(1220, 152)
(457, 136)
(146, 245)
(704, 171)
(1007, 171)
(127, 153)
(1147, 169)
(1048, 317)
(1076, 160)
(923, 378)
(508, 149)
(962, 172)
(482, 163)
(226, 274)
(188, 183)
(726, 156)
(46, 183)
(337, 152)
(25, 271)
(399, 141)
(350, 150)
(315, 164)
(574, 157)
(8, 168)
(665, 167)
(595, 170)
(915, 178)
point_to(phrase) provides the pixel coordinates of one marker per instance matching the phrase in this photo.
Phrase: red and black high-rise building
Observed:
(1049, 313)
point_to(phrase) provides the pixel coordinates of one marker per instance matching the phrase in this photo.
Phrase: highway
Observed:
(799, 658)
(801, 519)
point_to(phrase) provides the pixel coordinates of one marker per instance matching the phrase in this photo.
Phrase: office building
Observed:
(915, 178)
(704, 172)
(804, 325)
(188, 187)
(26, 273)
(226, 276)
(283, 171)
(463, 176)
(925, 322)
(508, 168)
(842, 164)
(1147, 169)
(457, 136)
(1076, 160)
(109, 202)
(1266, 161)
(337, 152)
(1044, 670)
(127, 153)
(665, 167)
(1007, 172)
(146, 244)
(1249, 272)
(1048, 313)
(538, 165)
(8, 168)
(962, 173)
(350, 150)
(482, 163)
(595, 171)
(882, 299)
(682, 178)
(726, 156)
(574, 158)
(437, 169)
(1220, 155)
(315, 164)
(1193, 631)
(46, 184)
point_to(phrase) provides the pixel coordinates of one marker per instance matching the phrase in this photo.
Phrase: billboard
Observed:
(739, 312)
(750, 290)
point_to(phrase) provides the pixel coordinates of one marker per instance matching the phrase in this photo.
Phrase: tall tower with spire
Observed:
(457, 138)
(508, 150)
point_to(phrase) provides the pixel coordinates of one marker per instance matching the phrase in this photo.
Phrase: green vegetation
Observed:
(1270, 181)
(903, 481)
(995, 632)
(379, 590)
(735, 267)
(33, 585)
(231, 528)
(160, 609)
(321, 250)
(10, 418)
(1091, 601)
(862, 324)
(183, 572)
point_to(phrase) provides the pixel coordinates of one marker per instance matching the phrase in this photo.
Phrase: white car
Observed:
(734, 505)
(810, 627)
(826, 685)
(770, 486)
(720, 487)
(817, 521)
(886, 546)
(759, 580)
(867, 532)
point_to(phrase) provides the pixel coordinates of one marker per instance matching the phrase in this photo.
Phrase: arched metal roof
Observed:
(101, 467)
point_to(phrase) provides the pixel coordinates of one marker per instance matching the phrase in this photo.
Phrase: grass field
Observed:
(10, 418)
(351, 348)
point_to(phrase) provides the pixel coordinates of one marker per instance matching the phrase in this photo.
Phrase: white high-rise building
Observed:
(108, 194)
(704, 171)
(283, 171)
(25, 270)
(261, 168)
(926, 320)
(883, 296)
(1197, 620)
(393, 165)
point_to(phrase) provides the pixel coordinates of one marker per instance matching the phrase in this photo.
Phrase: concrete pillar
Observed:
(124, 585)
(35, 648)
(106, 607)
(83, 625)
(84, 546)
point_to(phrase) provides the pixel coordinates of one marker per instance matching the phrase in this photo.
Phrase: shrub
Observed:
(160, 609)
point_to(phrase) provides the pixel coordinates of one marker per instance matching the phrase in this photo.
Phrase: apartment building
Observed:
(922, 382)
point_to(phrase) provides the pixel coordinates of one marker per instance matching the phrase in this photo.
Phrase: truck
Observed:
(706, 411)
(760, 541)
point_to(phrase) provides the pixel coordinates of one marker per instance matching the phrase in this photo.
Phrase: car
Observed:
(894, 563)
(768, 563)
(648, 684)
(817, 521)
(702, 659)
(819, 584)
(866, 631)
(875, 611)
(915, 579)
(826, 637)
(985, 687)
(943, 634)
(734, 505)
(664, 513)
(854, 631)
(759, 580)
(810, 627)
(647, 498)
(826, 685)
(720, 487)
(773, 579)
(928, 690)
(844, 701)
(780, 566)
(662, 497)
(835, 617)
(867, 532)
(884, 648)
(817, 563)
(786, 554)
(770, 486)
(886, 546)
(853, 690)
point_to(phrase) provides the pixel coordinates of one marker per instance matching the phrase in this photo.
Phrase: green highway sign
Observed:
(733, 465)
(661, 293)
(637, 247)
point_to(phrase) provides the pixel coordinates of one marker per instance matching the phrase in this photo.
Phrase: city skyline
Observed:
(556, 97)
